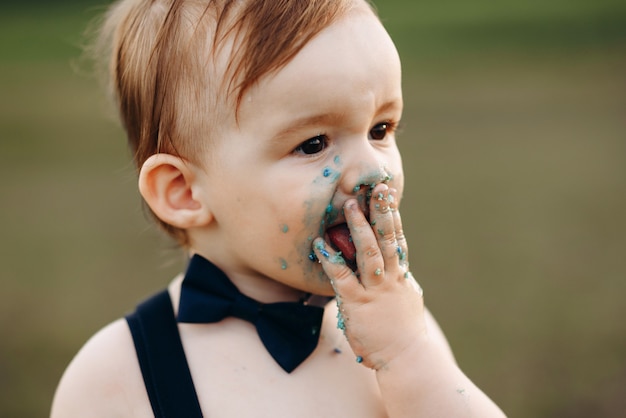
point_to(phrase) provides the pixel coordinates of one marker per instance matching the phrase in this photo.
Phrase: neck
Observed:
(265, 289)
(260, 288)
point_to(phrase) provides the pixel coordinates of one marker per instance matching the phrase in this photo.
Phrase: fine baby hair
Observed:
(178, 68)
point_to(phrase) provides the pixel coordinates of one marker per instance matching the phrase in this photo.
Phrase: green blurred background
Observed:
(515, 150)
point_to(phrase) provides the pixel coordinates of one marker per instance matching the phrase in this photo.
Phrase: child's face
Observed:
(308, 137)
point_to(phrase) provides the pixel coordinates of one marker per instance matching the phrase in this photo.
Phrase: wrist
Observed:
(412, 349)
(417, 367)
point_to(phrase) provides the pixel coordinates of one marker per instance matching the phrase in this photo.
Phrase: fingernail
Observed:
(351, 205)
(319, 246)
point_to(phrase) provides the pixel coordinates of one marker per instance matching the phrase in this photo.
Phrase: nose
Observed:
(364, 169)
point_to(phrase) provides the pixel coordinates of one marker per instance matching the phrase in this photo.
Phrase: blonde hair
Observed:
(165, 68)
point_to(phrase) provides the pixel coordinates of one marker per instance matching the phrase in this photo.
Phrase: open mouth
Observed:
(341, 240)
(339, 236)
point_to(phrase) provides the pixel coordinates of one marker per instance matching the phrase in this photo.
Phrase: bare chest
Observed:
(236, 377)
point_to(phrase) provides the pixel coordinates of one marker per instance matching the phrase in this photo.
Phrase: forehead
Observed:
(253, 38)
(352, 60)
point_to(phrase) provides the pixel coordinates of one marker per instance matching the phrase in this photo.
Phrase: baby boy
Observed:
(264, 136)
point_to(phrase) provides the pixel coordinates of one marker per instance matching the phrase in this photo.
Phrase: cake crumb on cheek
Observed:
(283, 264)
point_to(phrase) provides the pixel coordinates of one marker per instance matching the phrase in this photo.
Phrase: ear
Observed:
(170, 186)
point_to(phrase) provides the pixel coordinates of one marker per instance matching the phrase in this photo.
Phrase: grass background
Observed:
(514, 147)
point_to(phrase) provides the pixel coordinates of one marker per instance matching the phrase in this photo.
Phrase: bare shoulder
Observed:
(103, 379)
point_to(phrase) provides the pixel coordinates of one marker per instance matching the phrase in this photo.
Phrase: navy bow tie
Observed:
(289, 330)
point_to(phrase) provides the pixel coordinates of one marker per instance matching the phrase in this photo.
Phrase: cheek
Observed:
(314, 198)
(313, 215)
(398, 184)
(306, 222)
(398, 174)
(316, 210)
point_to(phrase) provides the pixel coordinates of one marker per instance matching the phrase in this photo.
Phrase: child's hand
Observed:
(380, 307)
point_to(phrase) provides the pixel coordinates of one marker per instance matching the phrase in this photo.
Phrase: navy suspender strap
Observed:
(162, 359)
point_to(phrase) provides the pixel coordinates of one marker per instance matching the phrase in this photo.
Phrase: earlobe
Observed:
(169, 185)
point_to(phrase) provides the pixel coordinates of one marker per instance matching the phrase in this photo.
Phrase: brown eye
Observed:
(313, 145)
(379, 131)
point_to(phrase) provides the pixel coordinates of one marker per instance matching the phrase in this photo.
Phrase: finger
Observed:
(403, 252)
(370, 263)
(381, 216)
(342, 278)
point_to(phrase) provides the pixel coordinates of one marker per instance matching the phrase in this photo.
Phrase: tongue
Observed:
(340, 237)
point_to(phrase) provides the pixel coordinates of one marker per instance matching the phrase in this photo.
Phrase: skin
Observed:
(352, 89)
(258, 209)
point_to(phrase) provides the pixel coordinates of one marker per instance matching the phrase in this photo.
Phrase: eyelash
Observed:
(389, 127)
(321, 140)
(316, 141)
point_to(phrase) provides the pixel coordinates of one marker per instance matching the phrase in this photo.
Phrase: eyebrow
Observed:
(326, 119)
(306, 122)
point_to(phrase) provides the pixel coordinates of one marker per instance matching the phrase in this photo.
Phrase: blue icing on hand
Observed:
(338, 259)
(341, 324)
